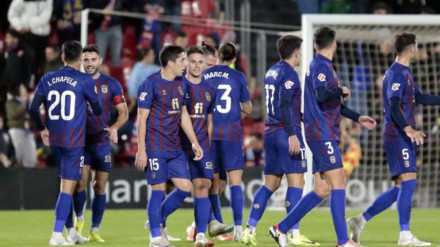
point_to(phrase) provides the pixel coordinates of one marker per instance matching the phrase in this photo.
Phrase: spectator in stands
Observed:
(213, 39)
(6, 148)
(254, 156)
(15, 66)
(381, 8)
(337, 6)
(108, 28)
(181, 39)
(68, 17)
(408, 6)
(53, 58)
(4, 24)
(31, 19)
(151, 27)
(141, 70)
(18, 123)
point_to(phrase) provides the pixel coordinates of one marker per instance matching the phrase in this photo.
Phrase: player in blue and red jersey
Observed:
(400, 96)
(232, 100)
(97, 150)
(161, 108)
(283, 145)
(64, 93)
(322, 112)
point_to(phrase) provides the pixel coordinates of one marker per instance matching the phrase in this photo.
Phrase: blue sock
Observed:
(307, 203)
(64, 204)
(259, 205)
(237, 204)
(172, 202)
(202, 208)
(293, 196)
(404, 203)
(98, 208)
(79, 199)
(337, 208)
(69, 220)
(382, 202)
(154, 211)
(216, 207)
(211, 214)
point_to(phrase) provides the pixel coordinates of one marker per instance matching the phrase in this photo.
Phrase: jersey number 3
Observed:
(225, 97)
(56, 95)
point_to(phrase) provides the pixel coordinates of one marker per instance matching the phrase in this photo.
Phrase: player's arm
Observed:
(185, 123)
(246, 107)
(320, 85)
(141, 155)
(398, 118)
(34, 109)
(426, 99)
(288, 120)
(365, 121)
(245, 97)
(210, 127)
(122, 118)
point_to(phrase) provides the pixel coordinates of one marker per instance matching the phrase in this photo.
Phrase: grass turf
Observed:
(125, 227)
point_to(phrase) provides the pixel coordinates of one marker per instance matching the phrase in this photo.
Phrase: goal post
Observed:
(365, 51)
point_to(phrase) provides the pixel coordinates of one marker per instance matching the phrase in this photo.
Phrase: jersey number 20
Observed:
(56, 95)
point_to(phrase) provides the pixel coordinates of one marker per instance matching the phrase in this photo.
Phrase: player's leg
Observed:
(237, 200)
(80, 197)
(294, 193)
(99, 179)
(218, 183)
(202, 209)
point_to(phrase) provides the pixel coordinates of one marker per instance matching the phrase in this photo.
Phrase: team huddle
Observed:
(190, 139)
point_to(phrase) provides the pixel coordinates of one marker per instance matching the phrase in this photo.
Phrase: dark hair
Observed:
(143, 52)
(169, 53)
(324, 36)
(193, 50)
(13, 33)
(91, 48)
(287, 44)
(227, 51)
(55, 48)
(381, 5)
(72, 51)
(403, 40)
(181, 34)
(208, 49)
(257, 135)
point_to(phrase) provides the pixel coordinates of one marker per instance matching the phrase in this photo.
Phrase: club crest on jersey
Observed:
(289, 84)
(332, 159)
(180, 90)
(108, 158)
(153, 175)
(321, 77)
(208, 96)
(409, 82)
(104, 89)
(304, 163)
(187, 95)
(395, 86)
(142, 96)
(209, 165)
(256, 206)
(406, 163)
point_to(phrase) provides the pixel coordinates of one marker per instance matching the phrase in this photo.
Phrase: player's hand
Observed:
(198, 151)
(113, 134)
(45, 136)
(141, 160)
(345, 92)
(415, 135)
(367, 122)
(294, 145)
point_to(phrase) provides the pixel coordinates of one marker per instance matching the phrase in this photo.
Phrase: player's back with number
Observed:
(230, 90)
(65, 93)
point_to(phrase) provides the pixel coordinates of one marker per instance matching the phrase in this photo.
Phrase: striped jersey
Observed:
(110, 93)
(65, 93)
(282, 78)
(164, 99)
(398, 82)
(321, 121)
(230, 89)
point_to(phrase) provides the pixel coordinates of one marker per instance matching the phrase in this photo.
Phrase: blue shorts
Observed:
(163, 165)
(326, 155)
(278, 160)
(227, 156)
(202, 168)
(70, 162)
(98, 157)
(401, 157)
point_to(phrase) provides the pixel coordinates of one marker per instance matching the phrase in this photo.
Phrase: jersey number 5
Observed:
(56, 95)
(225, 97)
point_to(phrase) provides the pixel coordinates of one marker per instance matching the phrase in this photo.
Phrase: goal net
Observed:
(365, 51)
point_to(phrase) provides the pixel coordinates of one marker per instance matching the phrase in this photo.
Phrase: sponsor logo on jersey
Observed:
(164, 92)
(409, 82)
(142, 96)
(108, 158)
(187, 95)
(153, 175)
(321, 77)
(209, 165)
(208, 96)
(256, 206)
(304, 163)
(332, 159)
(395, 86)
(287, 204)
(289, 84)
(104, 89)
(406, 163)
(180, 90)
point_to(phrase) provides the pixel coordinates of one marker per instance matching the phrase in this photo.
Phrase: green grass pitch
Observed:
(125, 227)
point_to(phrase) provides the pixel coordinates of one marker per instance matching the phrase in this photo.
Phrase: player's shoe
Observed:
(279, 237)
(411, 240)
(95, 237)
(216, 228)
(302, 240)
(349, 243)
(163, 232)
(159, 242)
(190, 233)
(202, 241)
(76, 238)
(248, 238)
(238, 231)
(79, 225)
(225, 237)
(59, 240)
(356, 228)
